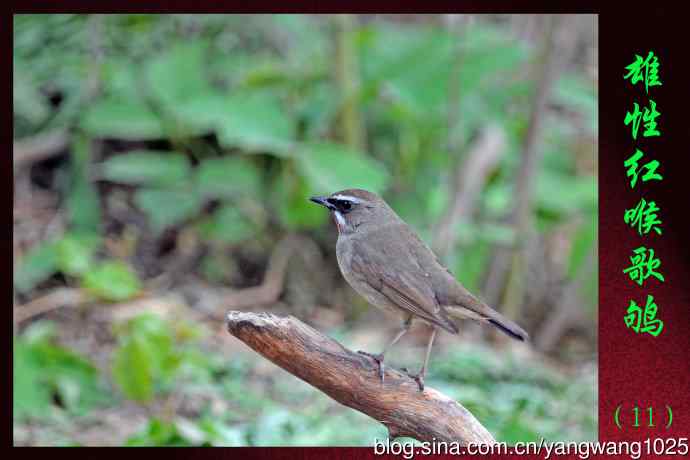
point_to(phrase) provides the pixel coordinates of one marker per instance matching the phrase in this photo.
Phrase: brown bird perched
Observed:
(385, 261)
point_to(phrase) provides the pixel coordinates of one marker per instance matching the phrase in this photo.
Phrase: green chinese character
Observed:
(643, 267)
(644, 217)
(644, 69)
(634, 317)
(632, 172)
(646, 321)
(648, 117)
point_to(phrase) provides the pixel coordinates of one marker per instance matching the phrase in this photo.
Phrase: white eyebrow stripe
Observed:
(347, 197)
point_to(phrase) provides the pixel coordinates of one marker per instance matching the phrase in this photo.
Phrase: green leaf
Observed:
(112, 281)
(239, 68)
(207, 112)
(331, 167)
(227, 178)
(257, 123)
(122, 119)
(188, 100)
(253, 121)
(497, 199)
(75, 253)
(133, 369)
(147, 356)
(424, 57)
(317, 108)
(158, 433)
(310, 32)
(400, 61)
(167, 207)
(222, 434)
(43, 371)
(147, 167)
(120, 78)
(177, 75)
(158, 335)
(228, 225)
(290, 201)
(37, 265)
(30, 397)
(72, 377)
(40, 332)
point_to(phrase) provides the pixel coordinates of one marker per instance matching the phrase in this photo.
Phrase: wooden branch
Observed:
(352, 379)
(62, 297)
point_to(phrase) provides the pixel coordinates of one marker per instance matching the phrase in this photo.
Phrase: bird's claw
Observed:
(378, 357)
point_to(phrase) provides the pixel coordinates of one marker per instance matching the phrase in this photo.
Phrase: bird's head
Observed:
(356, 210)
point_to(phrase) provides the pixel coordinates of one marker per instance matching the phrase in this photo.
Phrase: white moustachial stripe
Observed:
(341, 220)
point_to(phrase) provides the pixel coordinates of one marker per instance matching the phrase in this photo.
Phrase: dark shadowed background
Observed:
(162, 166)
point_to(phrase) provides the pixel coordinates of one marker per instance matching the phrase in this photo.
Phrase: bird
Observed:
(388, 264)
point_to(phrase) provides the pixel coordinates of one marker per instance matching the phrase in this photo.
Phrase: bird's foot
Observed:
(419, 378)
(378, 357)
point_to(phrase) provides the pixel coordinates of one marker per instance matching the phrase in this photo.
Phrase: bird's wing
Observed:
(405, 286)
(456, 301)
(450, 292)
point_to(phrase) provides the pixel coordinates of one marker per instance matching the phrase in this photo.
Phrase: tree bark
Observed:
(471, 175)
(352, 379)
(568, 311)
(558, 36)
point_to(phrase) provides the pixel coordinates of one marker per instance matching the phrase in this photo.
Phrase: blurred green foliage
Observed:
(149, 355)
(270, 91)
(225, 125)
(517, 400)
(47, 376)
(73, 254)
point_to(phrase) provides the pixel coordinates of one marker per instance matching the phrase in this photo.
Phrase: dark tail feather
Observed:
(511, 329)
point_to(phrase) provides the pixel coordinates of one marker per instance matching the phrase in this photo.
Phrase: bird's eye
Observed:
(346, 205)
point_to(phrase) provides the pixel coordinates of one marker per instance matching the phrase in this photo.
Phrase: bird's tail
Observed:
(473, 308)
(509, 327)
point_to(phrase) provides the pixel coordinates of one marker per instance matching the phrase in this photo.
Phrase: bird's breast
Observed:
(343, 251)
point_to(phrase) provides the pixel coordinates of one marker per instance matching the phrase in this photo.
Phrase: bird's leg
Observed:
(379, 356)
(419, 377)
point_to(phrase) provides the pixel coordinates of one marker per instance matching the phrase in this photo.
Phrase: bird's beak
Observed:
(323, 201)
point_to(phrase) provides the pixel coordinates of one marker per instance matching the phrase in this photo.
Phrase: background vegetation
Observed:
(162, 166)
